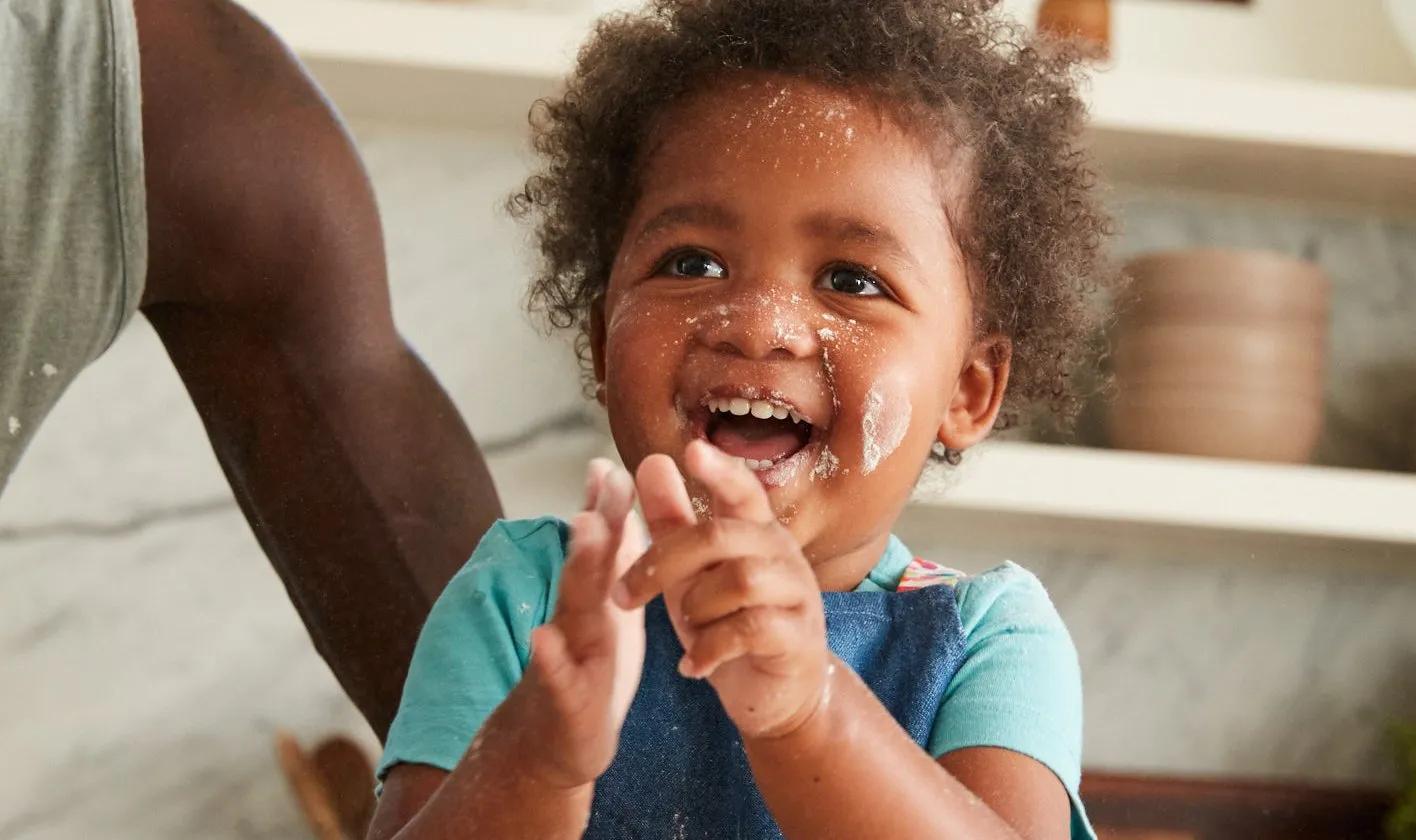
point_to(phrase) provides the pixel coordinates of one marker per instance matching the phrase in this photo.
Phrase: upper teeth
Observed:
(761, 409)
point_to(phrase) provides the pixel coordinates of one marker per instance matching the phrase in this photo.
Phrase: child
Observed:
(807, 243)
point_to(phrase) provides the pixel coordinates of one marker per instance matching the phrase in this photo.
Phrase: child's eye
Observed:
(692, 264)
(851, 281)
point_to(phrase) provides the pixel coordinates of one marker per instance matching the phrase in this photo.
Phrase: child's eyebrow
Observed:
(848, 229)
(700, 214)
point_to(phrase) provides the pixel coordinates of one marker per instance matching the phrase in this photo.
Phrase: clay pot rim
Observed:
(1285, 330)
(1177, 401)
(1226, 381)
(1233, 283)
(1261, 257)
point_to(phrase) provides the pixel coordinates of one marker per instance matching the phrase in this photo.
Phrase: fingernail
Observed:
(619, 593)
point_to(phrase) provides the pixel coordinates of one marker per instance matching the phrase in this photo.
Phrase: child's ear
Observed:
(978, 395)
(597, 346)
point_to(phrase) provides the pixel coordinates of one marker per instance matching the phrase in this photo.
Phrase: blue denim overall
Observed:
(681, 773)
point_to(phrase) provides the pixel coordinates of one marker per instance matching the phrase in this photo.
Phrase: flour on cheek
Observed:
(883, 426)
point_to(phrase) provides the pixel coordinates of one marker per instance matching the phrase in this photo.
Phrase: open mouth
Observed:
(768, 434)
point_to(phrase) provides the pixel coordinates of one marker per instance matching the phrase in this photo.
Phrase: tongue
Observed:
(760, 440)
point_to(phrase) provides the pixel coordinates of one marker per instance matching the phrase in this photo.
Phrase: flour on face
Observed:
(827, 465)
(883, 426)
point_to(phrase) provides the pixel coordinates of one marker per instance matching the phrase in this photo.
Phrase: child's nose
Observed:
(762, 327)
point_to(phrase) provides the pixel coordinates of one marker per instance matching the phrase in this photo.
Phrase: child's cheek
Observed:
(888, 408)
(645, 337)
(645, 340)
(885, 417)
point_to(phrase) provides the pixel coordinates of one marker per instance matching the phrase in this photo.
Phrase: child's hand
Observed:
(586, 662)
(743, 598)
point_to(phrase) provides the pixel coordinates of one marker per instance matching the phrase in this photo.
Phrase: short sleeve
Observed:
(476, 642)
(1019, 686)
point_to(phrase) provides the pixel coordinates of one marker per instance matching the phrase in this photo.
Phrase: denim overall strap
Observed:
(681, 772)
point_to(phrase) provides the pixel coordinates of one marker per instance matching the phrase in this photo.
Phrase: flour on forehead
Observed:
(792, 109)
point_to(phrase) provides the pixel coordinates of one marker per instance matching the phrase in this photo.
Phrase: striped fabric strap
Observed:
(921, 573)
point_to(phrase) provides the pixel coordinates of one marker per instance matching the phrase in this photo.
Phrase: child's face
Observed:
(790, 254)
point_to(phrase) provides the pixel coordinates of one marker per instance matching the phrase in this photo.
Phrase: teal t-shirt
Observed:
(1019, 686)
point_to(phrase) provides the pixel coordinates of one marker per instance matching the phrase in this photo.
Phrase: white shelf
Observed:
(1029, 482)
(439, 63)
(1276, 138)
(475, 65)
(474, 38)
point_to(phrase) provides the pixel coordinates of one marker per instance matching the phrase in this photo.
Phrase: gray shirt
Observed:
(73, 222)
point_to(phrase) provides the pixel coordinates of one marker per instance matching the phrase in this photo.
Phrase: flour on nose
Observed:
(784, 332)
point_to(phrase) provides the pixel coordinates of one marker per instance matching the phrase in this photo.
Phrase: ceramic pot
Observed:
(1087, 21)
(1221, 353)
(1218, 423)
(1255, 356)
(1209, 286)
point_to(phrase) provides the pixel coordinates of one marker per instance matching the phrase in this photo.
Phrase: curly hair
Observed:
(1030, 228)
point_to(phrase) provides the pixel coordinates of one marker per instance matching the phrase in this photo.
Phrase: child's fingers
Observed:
(681, 554)
(744, 583)
(616, 500)
(634, 541)
(736, 492)
(587, 576)
(616, 504)
(595, 474)
(760, 631)
(663, 496)
(551, 662)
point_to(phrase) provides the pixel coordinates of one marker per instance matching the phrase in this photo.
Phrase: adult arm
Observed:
(268, 287)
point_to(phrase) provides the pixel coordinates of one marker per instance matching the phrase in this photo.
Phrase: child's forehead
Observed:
(769, 116)
(778, 98)
(746, 100)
